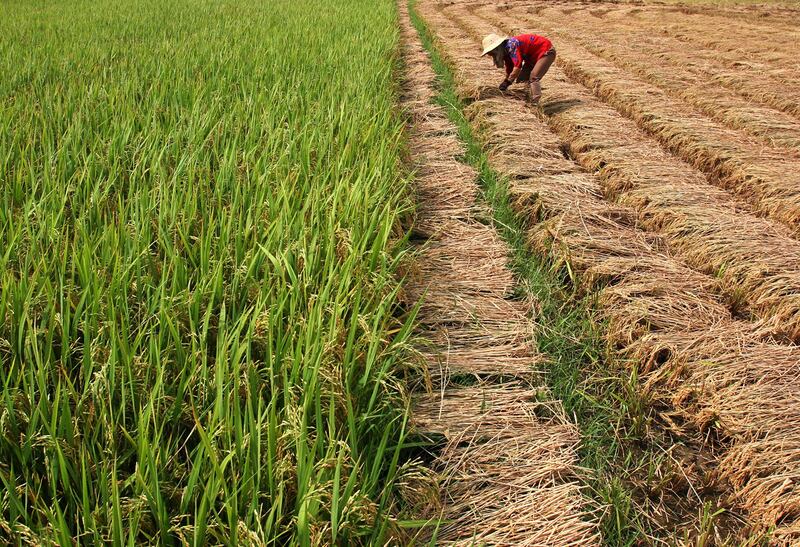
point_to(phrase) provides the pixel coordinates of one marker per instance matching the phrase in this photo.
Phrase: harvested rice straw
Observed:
(778, 58)
(490, 350)
(770, 44)
(779, 91)
(704, 368)
(771, 126)
(753, 258)
(756, 260)
(505, 441)
(767, 177)
(522, 450)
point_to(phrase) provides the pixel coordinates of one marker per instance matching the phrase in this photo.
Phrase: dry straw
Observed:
(631, 47)
(703, 369)
(759, 172)
(757, 260)
(507, 468)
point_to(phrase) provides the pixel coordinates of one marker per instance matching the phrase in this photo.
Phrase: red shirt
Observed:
(525, 47)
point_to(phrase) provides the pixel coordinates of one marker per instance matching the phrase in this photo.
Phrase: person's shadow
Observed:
(490, 92)
(521, 94)
(556, 107)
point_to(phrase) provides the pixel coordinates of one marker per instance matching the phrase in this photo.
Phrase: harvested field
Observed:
(757, 260)
(768, 177)
(678, 265)
(739, 75)
(770, 47)
(507, 450)
(757, 42)
(668, 70)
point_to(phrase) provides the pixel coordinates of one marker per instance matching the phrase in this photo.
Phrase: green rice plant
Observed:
(199, 240)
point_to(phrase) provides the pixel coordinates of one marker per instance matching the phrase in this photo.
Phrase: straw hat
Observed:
(491, 41)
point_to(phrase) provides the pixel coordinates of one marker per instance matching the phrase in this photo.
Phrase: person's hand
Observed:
(504, 85)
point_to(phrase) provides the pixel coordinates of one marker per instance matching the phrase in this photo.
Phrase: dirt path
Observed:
(507, 465)
(708, 372)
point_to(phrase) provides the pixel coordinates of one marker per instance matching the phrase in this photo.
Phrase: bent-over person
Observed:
(526, 58)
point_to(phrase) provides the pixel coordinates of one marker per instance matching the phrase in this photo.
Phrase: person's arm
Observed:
(516, 65)
(513, 64)
(506, 82)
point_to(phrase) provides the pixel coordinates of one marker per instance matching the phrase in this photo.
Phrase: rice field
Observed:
(293, 273)
(200, 224)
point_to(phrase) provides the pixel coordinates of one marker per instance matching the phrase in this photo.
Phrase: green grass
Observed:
(592, 385)
(199, 208)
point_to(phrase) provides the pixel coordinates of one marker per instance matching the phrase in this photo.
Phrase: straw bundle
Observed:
(510, 461)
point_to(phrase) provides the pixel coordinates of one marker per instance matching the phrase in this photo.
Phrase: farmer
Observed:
(526, 58)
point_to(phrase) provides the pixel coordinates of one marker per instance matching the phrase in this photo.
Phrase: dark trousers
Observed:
(530, 67)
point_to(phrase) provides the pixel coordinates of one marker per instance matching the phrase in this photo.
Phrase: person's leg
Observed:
(543, 64)
(525, 72)
(539, 70)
